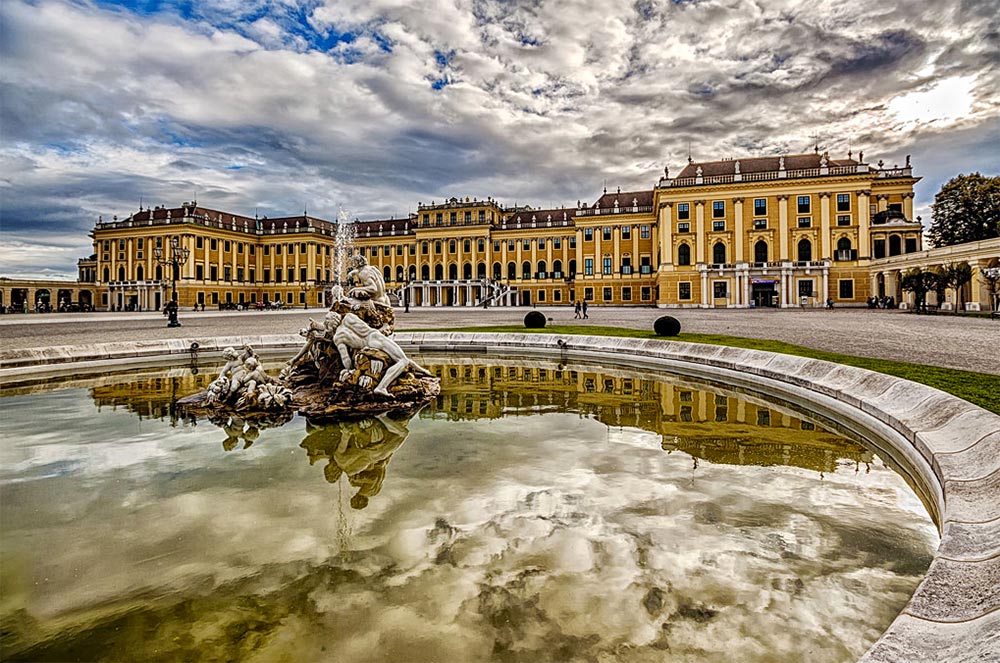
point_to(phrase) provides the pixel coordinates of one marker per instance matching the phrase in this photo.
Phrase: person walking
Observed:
(584, 308)
(576, 310)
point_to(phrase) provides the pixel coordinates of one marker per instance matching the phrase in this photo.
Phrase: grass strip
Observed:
(979, 388)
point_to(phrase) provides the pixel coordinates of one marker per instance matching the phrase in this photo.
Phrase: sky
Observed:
(280, 106)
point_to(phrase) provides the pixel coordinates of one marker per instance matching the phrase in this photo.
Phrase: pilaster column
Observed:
(738, 230)
(616, 251)
(783, 227)
(908, 206)
(825, 200)
(864, 241)
(699, 230)
(579, 253)
(598, 256)
(704, 287)
(882, 202)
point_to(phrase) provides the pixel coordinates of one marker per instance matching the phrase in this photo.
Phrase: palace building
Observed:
(778, 231)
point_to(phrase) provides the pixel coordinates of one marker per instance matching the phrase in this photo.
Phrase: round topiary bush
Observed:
(534, 320)
(667, 326)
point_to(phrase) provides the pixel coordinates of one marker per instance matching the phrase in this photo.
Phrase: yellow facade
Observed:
(721, 234)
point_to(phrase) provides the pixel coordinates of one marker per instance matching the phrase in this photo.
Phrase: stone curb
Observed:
(948, 447)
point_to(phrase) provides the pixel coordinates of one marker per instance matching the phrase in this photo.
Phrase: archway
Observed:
(760, 251)
(805, 250)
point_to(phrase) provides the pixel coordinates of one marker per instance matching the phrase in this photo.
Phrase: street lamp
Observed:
(305, 297)
(406, 296)
(174, 258)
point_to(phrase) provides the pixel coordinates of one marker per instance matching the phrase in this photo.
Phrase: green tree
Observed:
(919, 282)
(966, 209)
(955, 276)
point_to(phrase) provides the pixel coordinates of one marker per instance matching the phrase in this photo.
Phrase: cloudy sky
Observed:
(374, 105)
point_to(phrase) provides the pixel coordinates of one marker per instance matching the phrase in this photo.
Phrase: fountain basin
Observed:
(949, 449)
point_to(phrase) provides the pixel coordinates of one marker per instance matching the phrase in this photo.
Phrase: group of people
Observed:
(580, 310)
(882, 302)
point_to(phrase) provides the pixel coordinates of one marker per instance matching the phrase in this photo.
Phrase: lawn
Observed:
(978, 388)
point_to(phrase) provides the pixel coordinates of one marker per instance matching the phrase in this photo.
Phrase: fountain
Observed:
(349, 364)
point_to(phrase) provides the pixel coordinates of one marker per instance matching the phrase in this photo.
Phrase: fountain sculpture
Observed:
(349, 364)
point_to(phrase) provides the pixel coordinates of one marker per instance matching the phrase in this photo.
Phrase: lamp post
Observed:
(305, 297)
(176, 256)
(406, 296)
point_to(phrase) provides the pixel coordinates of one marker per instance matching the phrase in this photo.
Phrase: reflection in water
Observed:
(535, 513)
(359, 449)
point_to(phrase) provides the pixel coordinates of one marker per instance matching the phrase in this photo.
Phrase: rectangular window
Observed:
(643, 232)
(805, 287)
(199, 272)
(482, 216)
(541, 296)
(763, 417)
(526, 245)
(718, 226)
(607, 294)
(267, 276)
(588, 266)
(805, 222)
(302, 274)
(572, 242)
(588, 234)
(720, 289)
(213, 273)
(399, 249)
(626, 294)
(438, 218)
(510, 245)
(760, 224)
(684, 290)
(760, 206)
(718, 209)
(557, 243)
(253, 276)
(277, 276)
(215, 297)
(468, 218)
(227, 274)
(843, 219)
(541, 245)
(277, 249)
(683, 211)
(645, 293)
(453, 217)
(644, 265)
(626, 232)
(557, 295)
(121, 245)
(386, 250)
(606, 234)
(228, 246)
(896, 207)
(214, 245)
(588, 294)
(496, 245)
(606, 264)
(684, 227)
(843, 202)
(626, 265)
(804, 206)
(140, 243)
(846, 288)
(291, 274)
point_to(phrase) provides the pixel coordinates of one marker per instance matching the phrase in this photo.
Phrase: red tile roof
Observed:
(625, 199)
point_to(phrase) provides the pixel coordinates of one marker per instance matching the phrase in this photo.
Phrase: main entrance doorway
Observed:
(764, 293)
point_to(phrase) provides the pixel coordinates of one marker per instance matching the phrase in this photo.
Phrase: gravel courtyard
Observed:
(954, 342)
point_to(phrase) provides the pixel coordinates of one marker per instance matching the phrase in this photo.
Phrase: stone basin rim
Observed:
(953, 615)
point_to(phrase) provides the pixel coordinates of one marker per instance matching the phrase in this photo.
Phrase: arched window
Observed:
(511, 270)
(413, 272)
(481, 270)
(139, 273)
(121, 273)
(107, 274)
(526, 270)
(572, 267)
(895, 245)
(467, 271)
(497, 271)
(425, 273)
(844, 251)
(719, 253)
(557, 269)
(399, 273)
(387, 273)
(805, 250)
(453, 272)
(438, 272)
(541, 269)
(683, 254)
(760, 251)
(159, 272)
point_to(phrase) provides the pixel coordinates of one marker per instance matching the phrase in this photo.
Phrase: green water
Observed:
(529, 514)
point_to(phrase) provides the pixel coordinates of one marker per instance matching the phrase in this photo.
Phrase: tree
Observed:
(967, 209)
(919, 282)
(955, 276)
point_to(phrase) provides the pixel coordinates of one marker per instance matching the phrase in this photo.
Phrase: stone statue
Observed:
(242, 384)
(353, 333)
(370, 286)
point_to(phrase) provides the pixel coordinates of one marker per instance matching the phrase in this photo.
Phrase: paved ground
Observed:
(956, 342)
